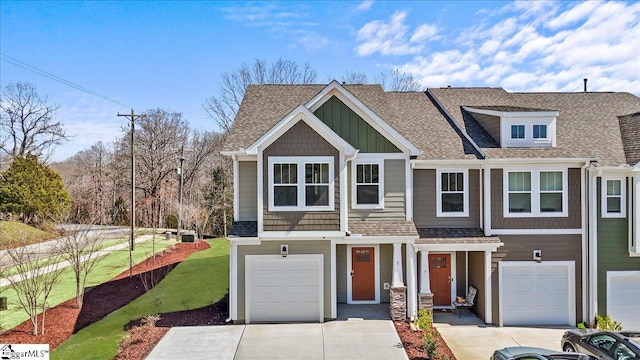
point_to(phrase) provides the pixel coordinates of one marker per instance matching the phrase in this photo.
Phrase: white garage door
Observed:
(537, 293)
(281, 289)
(623, 292)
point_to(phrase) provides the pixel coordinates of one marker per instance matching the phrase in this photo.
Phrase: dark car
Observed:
(609, 345)
(533, 353)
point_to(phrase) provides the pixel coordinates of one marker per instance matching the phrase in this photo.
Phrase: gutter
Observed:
(453, 122)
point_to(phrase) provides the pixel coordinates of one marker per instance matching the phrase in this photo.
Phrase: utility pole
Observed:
(132, 117)
(180, 172)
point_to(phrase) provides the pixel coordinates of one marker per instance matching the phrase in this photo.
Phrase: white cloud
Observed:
(364, 6)
(531, 46)
(393, 37)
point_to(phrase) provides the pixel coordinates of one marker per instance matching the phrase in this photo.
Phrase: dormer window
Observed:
(539, 131)
(517, 131)
(519, 127)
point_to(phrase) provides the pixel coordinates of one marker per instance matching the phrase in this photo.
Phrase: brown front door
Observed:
(440, 278)
(363, 274)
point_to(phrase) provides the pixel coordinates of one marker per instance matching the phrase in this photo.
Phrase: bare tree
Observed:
(400, 81)
(27, 125)
(354, 77)
(222, 109)
(34, 281)
(81, 251)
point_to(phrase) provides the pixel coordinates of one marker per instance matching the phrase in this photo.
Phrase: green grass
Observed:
(13, 231)
(112, 265)
(200, 280)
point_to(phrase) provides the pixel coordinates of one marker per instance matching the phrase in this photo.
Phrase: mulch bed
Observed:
(65, 319)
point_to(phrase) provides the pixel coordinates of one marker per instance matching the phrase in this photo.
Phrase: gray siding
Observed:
(491, 125)
(394, 194)
(476, 279)
(613, 251)
(554, 248)
(295, 247)
(424, 203)
(386, 271)
(341, 273)
(248, 191)
(301, 140)
(572, 221)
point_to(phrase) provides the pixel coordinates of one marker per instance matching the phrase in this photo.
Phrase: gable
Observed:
(352, 128)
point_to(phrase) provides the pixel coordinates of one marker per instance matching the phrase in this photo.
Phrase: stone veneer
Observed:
(398, 303)
(425, 301)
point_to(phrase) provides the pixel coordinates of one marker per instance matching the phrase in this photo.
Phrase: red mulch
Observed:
(65, 319)
(414, 345)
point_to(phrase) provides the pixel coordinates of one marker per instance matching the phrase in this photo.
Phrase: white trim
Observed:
(236, 188)
(233, 281)
(513, 114)
(344, 205)
(301, 235)
(465, 193)
(535, 193)
(260, 182)
(301, 162)
(425, 280)
(335, 89)
(584, 183)
(453, 163)
(453, 277)
(367, 161)
(604, 213)
(334, 291)
(412, 295)
(408, 175)
(486, 175)
(398, 278)
(593, 242)
(612, 274)
(577, 231)
(571, 284)
(319, 258)
(488, 305)
(458, 247)
(376, 257)
(300, 113)
(352, 240)
(634, 215)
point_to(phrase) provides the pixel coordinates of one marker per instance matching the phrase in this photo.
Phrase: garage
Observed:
(623, 292)
(537, 293)
(284, 289)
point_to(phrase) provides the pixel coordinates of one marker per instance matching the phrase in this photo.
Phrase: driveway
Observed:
(470, 338)
(348, 339)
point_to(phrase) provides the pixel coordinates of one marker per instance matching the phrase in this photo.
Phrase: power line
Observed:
(24, 65)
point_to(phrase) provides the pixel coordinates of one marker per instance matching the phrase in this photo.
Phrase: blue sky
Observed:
(170, 54)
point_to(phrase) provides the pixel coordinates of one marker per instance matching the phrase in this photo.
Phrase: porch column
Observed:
(425, 297)
(487, 288)
(398, 292)
(412, 296)
(397, 265)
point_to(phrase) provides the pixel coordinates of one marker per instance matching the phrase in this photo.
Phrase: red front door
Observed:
(363, 274)
(440, 278)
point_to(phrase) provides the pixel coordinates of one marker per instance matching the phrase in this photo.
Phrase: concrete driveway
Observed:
(469, 338)
(347, 339)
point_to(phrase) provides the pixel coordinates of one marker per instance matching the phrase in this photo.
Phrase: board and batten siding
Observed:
(554, 248)
(248, 191)
(394, 194)
(424, 202)
(572, 221)
(301, 140)
(613, 250)
(295, 247)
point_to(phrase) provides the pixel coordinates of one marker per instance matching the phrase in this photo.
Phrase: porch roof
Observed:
(383, 228)
(453, 239)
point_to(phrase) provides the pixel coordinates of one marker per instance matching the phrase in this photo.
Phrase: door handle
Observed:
(351, 272)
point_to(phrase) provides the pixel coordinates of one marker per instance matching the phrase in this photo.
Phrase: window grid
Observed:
(539, 131)
(517, 131)
(367, 184)
(300, 184)
(613, 202)
(551, 191)
(535, 193)
(452, 191)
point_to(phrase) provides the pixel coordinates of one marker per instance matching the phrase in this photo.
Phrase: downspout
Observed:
(585, 238)
(593, 251)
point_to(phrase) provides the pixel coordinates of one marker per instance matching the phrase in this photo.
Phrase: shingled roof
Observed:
(412, 114)
(630, 129)
(587, 126)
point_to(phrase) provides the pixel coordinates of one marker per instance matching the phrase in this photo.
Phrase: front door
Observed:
(440, 278)
(363, 287)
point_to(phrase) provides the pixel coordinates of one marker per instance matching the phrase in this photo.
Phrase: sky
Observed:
(171, 54)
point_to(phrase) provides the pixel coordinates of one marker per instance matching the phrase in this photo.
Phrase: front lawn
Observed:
(201, 280)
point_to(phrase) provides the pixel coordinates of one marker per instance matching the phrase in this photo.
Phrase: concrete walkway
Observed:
(470, 338)
(349, 339)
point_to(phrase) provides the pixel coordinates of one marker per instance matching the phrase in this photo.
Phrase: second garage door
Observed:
(537, 293)
(283, 289)
(623, 292)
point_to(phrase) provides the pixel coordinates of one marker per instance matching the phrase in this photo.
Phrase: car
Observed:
(608, 345)
(534, 353)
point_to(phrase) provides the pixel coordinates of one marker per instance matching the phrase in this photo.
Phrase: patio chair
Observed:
(468, 301)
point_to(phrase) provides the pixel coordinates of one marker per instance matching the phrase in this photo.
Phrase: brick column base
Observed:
(425, 301)
(398, 303)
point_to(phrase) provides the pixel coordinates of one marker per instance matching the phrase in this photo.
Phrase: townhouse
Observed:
(348, 194)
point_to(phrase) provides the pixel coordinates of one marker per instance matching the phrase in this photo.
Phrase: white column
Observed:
(425, 283)
(334, 292)
(487, 199)
(397, 265)
(487, 287)
(412, 296)
(233, 278)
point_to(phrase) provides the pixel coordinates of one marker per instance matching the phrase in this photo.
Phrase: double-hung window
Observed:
(541, 193)
(301, 183)
(452, 198)
(613, 202)
(539, 132)
(517, 131)
(367, 191)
